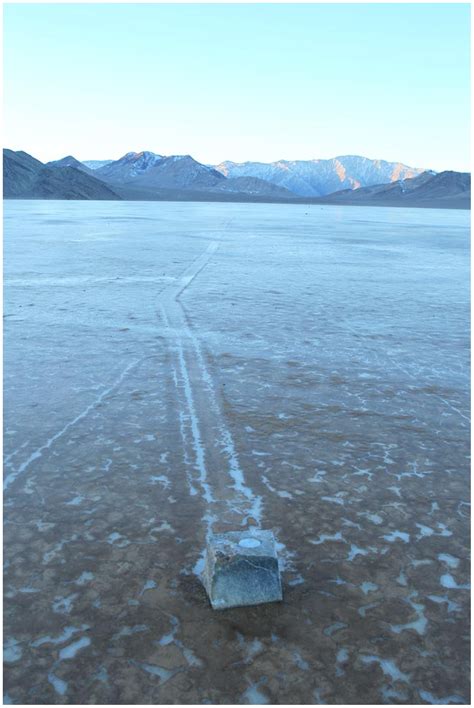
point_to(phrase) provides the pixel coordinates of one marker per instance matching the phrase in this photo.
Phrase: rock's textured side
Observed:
(242, 569)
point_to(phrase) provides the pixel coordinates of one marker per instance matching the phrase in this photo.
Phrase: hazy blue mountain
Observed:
(95, 164)
(315, 178)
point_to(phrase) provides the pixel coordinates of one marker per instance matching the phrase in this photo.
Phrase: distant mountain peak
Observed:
(143, 155)
(129, 166)
(149, 170)
(69, 161)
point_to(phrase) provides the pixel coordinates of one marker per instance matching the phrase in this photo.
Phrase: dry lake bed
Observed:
(177, 369)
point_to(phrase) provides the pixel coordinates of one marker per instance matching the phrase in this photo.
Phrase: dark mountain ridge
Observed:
(24, 177)
(71, 161)
(442, 190)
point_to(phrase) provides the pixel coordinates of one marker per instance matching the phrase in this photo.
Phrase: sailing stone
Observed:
(242, 569)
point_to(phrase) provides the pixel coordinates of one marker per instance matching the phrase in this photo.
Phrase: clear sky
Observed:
(239, 82)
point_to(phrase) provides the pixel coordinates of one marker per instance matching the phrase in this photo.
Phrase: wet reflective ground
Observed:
(177, 369)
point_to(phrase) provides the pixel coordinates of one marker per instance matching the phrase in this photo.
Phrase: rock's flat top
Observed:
(249, 543)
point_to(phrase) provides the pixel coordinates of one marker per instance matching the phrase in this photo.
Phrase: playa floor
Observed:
(177, 369)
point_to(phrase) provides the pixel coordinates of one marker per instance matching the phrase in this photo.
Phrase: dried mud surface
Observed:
(177, 369)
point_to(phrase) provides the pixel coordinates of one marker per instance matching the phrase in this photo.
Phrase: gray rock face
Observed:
(242, 569)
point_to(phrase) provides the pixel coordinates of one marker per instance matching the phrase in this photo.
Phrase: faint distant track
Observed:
(205, 436)
(415, 378)
(436, 395)
(39, 451)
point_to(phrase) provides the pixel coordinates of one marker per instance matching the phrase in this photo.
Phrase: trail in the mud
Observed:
(206, 439)
(214, 473)
(10, 478)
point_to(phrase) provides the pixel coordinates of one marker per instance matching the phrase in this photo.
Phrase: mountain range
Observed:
(149, 176)
(302, 178)
(148, 171)
(316, 178)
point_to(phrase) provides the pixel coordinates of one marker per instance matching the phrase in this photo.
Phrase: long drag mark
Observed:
(206, 431)
(39, 451)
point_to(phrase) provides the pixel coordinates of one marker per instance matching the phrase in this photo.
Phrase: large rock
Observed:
(242, 569)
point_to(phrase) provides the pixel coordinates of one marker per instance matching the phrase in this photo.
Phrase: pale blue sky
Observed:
(239, 82)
